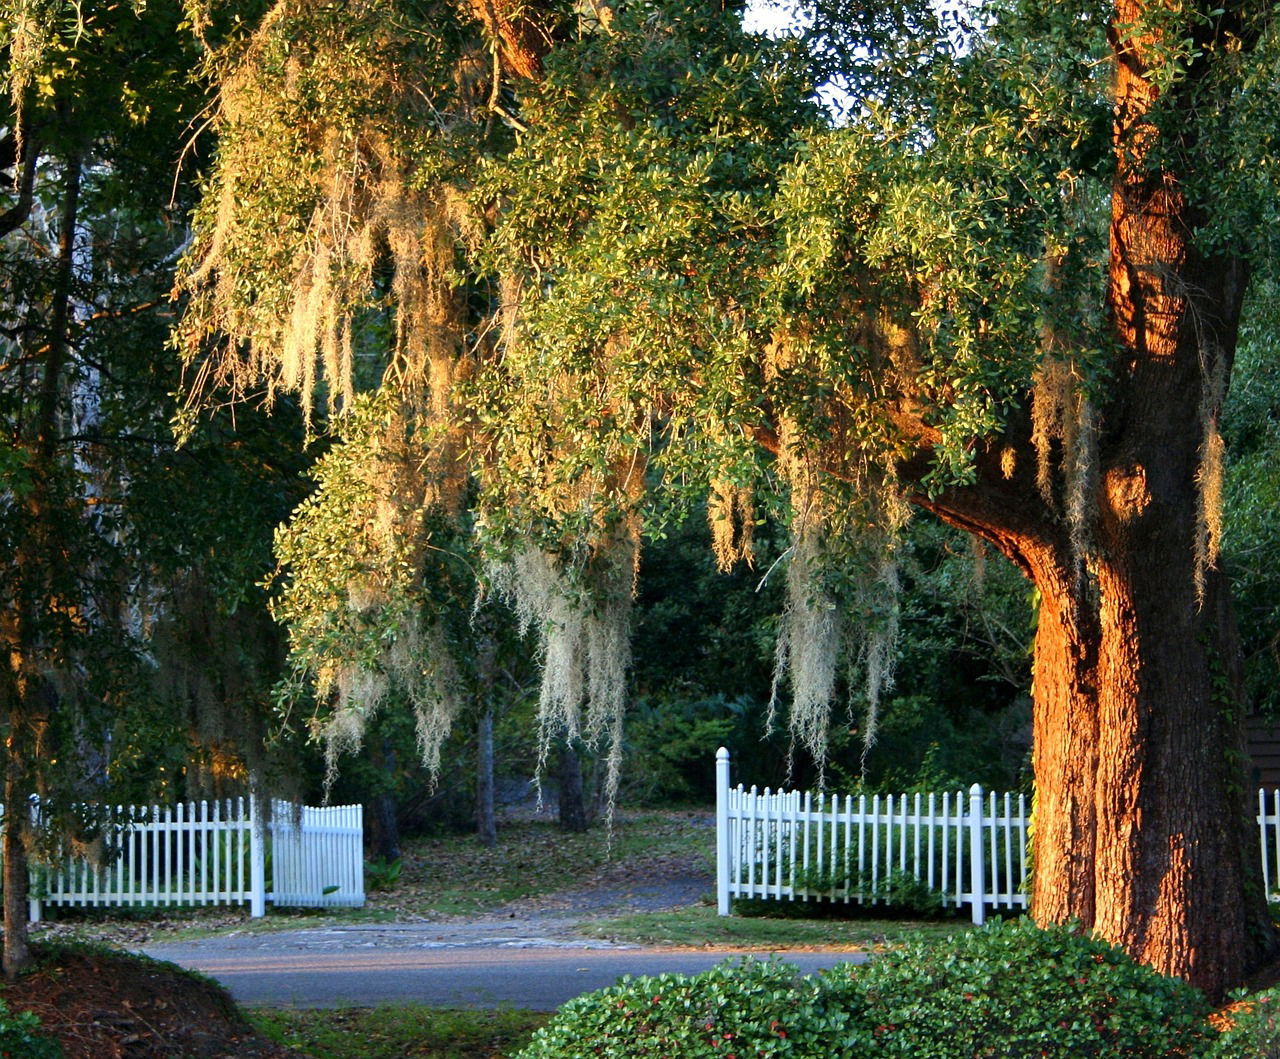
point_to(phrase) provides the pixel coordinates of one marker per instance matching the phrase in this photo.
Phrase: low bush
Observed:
(20, 1037)
(732, 1011)
(1250, 1028)
(896, 893)
(1015, 990)
(1011, 991)
(381, 874)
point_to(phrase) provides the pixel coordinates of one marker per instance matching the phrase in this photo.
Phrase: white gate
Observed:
(210, 853)
(317, 856)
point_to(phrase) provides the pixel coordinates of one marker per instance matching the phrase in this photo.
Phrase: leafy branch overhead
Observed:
(669, 260)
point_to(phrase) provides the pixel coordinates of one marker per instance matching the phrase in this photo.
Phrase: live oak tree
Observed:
(615, 254)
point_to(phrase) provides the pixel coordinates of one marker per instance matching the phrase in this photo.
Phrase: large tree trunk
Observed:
(1141, 821)
(1143, 832)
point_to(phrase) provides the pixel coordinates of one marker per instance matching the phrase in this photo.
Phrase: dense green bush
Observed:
(1253, 1029)
(671, 745)
(733, 1010)
(20, 1037)
(1013, 990)
(1010, 991)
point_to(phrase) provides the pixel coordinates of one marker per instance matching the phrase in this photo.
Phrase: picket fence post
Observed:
(257, 862)
(722, 831)
(977, 863)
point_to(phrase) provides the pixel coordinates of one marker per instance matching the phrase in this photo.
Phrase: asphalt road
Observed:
(354, 967)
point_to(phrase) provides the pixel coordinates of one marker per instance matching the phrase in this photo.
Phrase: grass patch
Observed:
(396, 1032)
(701, 926)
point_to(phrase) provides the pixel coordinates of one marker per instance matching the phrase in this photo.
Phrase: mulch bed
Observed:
(108, 1005)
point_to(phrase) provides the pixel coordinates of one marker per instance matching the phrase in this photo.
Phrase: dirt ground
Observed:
(104, 1005)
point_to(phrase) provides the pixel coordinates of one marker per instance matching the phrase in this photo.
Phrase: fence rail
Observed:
(209, 853)
(970, 846)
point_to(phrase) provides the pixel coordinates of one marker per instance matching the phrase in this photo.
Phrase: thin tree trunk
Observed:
(573, 806)
(486, 674)
(486, 821)
(386, 823)
(35, 566)
(17, 952)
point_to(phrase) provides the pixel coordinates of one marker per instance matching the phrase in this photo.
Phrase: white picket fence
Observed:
(789, 845)
(1269, 842)
(211, 853)
(970, 846)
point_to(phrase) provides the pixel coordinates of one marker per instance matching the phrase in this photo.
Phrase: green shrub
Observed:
(897, 893)
(1253, 1029)
(733, 1010)
(20, 1037)
(382, 874)
(670, 742)
(1011, 991)
(1014, 990)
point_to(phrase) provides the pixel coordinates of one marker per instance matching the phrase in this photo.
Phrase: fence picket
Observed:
(902, 833)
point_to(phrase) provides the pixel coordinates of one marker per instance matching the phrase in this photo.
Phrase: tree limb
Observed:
(17, 215)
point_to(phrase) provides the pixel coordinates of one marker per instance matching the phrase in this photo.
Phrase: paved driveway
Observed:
(467, 965)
